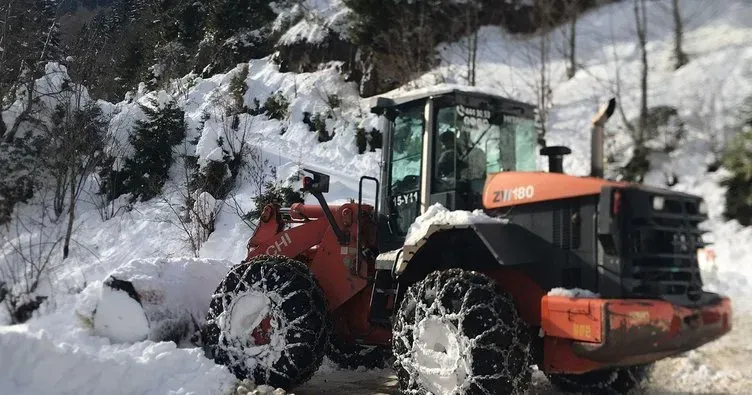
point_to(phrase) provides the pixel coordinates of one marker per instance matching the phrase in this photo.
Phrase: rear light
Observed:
(616, 203)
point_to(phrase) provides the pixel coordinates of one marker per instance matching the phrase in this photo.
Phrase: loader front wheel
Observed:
(457, 332)
(267, 322)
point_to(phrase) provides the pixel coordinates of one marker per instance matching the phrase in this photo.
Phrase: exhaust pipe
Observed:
(596, 138)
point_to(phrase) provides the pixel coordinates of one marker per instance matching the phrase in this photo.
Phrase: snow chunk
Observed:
(120, 317)
(174, 292)
(574, 293)
(438, 214)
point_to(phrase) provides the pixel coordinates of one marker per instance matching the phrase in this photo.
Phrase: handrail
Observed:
(360, 213)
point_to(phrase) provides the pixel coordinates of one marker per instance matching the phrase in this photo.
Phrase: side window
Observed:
(493, 154)
(525, 143)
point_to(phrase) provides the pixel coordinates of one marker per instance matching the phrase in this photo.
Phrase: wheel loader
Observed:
(590, 280)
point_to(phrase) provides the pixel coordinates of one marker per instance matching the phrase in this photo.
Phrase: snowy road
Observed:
(721, 367)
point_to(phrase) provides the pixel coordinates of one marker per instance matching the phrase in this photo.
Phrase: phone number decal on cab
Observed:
(511, 194)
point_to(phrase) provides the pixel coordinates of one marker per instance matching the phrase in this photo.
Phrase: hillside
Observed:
(55, 351)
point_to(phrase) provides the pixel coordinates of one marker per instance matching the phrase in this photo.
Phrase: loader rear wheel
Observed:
(606, 381)
(457, 332)
(267, 322)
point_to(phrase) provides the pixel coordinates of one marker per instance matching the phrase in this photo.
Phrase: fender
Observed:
(472, 246)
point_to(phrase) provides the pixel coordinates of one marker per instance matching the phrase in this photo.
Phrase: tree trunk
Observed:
(572, 70)
(679, 55)
(3, 128)
(473, 56)
(543, 90)
(71, 215)
(24, 115)
(641, 20)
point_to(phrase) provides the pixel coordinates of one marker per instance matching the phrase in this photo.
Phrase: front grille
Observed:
(566, 226)
(662, 247)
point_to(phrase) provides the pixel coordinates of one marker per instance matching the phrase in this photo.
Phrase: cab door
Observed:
(403, 172)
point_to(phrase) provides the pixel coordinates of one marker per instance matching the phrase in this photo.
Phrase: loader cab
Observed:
(439, 147)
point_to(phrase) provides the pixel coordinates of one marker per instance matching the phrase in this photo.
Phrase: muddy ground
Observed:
(721, 367)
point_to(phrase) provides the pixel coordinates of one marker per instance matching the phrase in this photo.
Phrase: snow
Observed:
(320, 18)
(573, 293)
(120, 317)
(174, 292)
(440, 215)
(56, 356)
(440, 349)
(58, 351)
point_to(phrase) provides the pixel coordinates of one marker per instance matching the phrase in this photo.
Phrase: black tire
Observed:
(287, 345)
(349, 355)
(605, 381)
(481, 330)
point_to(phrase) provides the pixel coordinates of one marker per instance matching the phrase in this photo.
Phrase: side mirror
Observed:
(319, 182)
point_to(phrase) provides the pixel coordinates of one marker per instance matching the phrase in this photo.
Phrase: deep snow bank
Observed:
(54, 356)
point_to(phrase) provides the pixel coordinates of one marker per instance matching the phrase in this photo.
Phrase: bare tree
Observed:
(73, 148)
(641, 23)
(572, 10)
(27, 249)
(538, 54)
(680, 57)
(472, 11)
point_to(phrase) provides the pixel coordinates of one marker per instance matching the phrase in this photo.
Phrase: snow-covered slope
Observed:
(56, 353)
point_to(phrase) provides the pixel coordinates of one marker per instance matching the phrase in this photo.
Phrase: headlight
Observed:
(703, 208)
(658, 202)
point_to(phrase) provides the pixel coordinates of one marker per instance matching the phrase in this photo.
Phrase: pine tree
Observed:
(153, 139)
(738, 160)
(48, 41)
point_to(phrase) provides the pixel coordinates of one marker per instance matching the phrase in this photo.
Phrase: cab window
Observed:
(407, 144)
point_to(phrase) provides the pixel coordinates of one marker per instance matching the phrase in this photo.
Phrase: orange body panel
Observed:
(514, 188)
(351, 323)
(314, 242)
(623, 332)
(526, 293)
(573, 318)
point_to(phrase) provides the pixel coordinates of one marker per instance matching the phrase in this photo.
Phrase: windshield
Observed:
(471, 143)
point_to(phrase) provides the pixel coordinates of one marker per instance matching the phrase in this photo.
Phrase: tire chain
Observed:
(293, 363)
(514, 374)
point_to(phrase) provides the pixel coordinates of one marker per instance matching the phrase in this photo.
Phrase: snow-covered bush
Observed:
(317, 124)
(371, 139)
(276, 106)
(284, 195)
(738, 160)
(664, 132)
(18, 159)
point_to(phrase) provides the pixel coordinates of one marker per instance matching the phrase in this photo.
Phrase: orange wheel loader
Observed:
(588, 279)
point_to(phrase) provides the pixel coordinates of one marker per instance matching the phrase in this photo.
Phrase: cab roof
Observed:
(403, 99)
